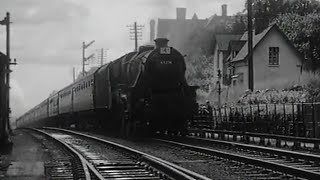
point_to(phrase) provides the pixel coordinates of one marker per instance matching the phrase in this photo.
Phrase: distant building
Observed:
(179, 30)
(220, 51)
(176, 30)
(218, 23)
(275, 60)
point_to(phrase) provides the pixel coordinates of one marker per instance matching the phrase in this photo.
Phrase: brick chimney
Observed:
(152, 29)
(224, 10)
(181, 13)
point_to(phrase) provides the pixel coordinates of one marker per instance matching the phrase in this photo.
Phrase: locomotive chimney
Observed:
(161, 42)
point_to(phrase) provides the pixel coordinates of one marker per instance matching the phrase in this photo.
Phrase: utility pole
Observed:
(136, 31)
(250, 53)
(6, 75)
(102, 55)
(74, 74)
(84, 58)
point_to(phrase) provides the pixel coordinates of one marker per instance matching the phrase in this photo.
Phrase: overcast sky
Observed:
(47, 35)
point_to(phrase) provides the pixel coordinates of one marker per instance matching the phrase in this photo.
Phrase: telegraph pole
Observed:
(102, 55)
(8, 71)
(250, 38)
(84, 58)
(136, 31)
(74, 74)
(6, 75)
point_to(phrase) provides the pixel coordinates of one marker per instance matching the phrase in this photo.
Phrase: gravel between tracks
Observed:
(214, 169)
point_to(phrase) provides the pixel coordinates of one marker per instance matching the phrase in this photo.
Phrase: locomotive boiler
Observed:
(144, 91)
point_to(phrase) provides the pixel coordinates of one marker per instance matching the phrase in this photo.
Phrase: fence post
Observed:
(251, 116)
(220, 117)
(294, 121)
(278, 142)
(267, 118)
(313, 120)
(296, 144)
(234, 136)
(285, 120)
(243, 123)
(237, 119)
(226, 117)
(215, 121)
(298, 118)
(246, 137)
(258, 119)
(316, 144)
(231, 117)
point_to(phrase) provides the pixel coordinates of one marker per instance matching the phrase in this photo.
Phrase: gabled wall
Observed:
(270, 76)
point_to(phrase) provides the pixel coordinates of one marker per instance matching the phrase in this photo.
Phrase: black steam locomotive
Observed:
(144, 91)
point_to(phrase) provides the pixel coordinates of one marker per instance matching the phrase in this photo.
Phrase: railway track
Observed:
(64, 164)
(103, 159)
(258, 162)
(249, 161)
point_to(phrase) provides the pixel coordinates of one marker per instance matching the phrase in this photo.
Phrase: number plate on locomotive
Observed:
(165, 62)
(165, 50)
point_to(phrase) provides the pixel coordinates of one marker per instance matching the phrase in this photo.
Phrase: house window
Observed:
(273, 55)
(234, 82)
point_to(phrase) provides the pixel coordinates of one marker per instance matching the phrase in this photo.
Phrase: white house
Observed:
(276, 61)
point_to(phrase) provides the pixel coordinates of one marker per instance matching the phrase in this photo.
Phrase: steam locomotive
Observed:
(144, 91)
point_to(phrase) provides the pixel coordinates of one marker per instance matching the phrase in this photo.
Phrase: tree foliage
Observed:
(299, 19)
(304, 32)
(268, 10)
(199, 70)
(272, 8)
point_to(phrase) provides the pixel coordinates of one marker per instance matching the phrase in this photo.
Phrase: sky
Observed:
(47, 36)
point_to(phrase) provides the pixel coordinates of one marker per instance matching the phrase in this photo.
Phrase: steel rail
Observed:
(173, 170)
(84, 162)
(240, 158)
(280, 152)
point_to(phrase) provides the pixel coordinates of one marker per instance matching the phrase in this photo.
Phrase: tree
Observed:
(304, 32)
(266, 11)
(298, 19)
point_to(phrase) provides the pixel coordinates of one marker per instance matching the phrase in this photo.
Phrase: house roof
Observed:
(236, 45)
(215, 19)
(224, 39)
(256, 39)
(195, 17)
(243, 53)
